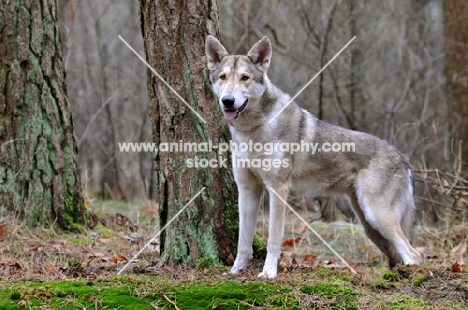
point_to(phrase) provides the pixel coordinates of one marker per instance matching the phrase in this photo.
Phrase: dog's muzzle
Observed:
(229, 113)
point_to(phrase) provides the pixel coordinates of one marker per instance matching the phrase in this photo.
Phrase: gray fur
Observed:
(376, 178)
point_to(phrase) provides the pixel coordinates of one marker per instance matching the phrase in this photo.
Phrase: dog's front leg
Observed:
(276, 230)
(249, 200)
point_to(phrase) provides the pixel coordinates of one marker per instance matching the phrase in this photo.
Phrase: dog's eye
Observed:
(244, 78)
(222, 77)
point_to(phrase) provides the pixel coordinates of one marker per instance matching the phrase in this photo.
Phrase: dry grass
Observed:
(45, 253)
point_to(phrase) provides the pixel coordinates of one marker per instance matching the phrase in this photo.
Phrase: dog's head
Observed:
(237, 78)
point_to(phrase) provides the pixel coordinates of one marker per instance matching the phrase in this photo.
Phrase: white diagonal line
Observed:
(315, 232)
(311, 80)
(160, 231)
(160, 77)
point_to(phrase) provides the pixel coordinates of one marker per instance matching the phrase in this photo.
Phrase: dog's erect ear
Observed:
(260, 53)
(215, 52)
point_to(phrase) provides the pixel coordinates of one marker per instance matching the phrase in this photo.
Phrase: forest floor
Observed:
(43, 268)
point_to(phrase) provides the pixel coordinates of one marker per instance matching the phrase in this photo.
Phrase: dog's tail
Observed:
(408, 218)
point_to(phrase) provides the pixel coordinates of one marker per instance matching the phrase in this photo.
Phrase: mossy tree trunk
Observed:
(456, 70)
(38, 172)
(174, 37)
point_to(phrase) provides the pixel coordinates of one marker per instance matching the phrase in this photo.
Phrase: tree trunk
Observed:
(456, 70)
(357, 78)
(38, 172)
(174, 38)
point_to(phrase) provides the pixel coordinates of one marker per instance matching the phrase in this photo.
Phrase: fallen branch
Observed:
(171, 302)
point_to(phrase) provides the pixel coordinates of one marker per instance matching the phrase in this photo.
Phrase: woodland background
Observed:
(403, 79)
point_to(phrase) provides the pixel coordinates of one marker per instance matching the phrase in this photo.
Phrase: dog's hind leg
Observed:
(250, 193)
(383, 244)
(383, 226)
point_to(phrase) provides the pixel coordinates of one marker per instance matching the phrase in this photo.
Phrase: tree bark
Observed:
(356, 96)
(456, 70)
(174, 37)
(38, 172)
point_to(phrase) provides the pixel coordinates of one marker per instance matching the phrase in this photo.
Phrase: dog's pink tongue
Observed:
(230, 115)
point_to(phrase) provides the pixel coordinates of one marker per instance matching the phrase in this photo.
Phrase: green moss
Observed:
(15, 295)
(231, 219)
(140, 293)
(331, 274)
(75, 215)
(383, 284)
(321, 227)
(404, 302)
(231, 295)
(79, 241)
(343, 297)
(205, 262)
(76, 295)
(452, 305)
(259, 248)
(390, 276)
(420, 279)
(104, 231)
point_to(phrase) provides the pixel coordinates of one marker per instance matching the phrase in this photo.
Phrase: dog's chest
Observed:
(259, 145)
(258, 154)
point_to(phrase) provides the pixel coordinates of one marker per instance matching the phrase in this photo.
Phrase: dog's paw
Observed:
(240, 264)
(270, 269)
(237, 270)
(267, 274)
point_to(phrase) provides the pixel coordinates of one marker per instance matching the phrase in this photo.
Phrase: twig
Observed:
(171, 302)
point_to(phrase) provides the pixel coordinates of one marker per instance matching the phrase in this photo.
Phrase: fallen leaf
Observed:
(288, 261)
(291, 242)
(121, 257)
(456, 267)
(309, 260)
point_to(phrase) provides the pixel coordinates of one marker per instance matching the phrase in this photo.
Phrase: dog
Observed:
(375, 177)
